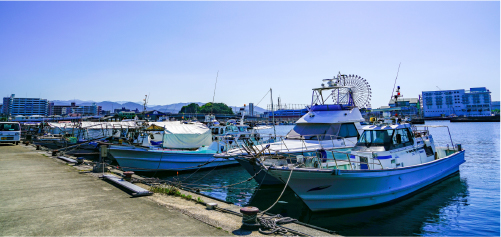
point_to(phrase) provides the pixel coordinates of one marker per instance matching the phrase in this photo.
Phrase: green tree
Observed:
(216, 108)
(191, 108)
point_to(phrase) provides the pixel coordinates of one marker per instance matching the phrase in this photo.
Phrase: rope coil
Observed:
(270, 225)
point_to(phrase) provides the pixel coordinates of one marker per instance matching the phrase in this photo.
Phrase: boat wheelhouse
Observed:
(332, 122)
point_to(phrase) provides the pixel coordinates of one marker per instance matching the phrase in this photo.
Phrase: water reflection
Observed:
(403, 217)
(213, 182)
(465, 204)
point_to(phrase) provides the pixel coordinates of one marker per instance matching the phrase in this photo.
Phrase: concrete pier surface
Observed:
(41, 195)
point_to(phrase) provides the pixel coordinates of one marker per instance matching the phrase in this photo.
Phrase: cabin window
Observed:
(319, 131)
(376, 138)
(402, 138)
(348, 130)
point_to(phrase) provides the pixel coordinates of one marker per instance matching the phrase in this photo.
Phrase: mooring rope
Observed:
(219, 162)
(290, 174)
(200, 167)
(187, 185)
(172, 169)
(226, 186)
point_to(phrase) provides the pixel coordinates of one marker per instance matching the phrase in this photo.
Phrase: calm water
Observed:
(465, 204)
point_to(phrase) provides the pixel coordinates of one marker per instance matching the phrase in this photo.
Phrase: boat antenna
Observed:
(273, 113)
(212, 107)
(395, 82)
(146, 97)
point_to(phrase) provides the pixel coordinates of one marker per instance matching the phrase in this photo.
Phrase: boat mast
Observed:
(273, 112)
(214, 96)
(144, 104)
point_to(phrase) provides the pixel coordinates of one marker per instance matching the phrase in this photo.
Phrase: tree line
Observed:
(209, 108)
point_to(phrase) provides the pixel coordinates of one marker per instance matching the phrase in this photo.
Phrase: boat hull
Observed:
(53, 144)
(261, 177)
(142, 159)
(325, 190)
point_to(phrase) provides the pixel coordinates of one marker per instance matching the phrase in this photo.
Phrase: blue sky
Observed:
(121, 51)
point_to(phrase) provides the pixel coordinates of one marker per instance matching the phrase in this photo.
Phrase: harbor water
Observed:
(465, 204)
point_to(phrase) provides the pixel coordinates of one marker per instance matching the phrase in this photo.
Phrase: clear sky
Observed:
(121, 51)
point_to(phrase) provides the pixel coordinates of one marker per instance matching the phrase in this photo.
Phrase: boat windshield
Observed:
(376, 138)
(217, 130)
(9, 127)
(320, 131)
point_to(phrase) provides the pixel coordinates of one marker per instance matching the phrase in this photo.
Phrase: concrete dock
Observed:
(42, 195)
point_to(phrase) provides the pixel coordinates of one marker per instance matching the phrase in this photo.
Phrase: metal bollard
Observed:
(249, 218)
(80, 160)
(211, 206)
(128, 175)
(99, 168)
(38, 147)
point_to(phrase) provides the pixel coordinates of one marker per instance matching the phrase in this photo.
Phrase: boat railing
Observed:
(229, 141)
(305, 147)
(349, 156)
(362, 160)
(320, 157)
(318, 162)
(423, 130)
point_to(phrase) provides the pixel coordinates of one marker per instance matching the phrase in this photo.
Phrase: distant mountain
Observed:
(171, 108)
(68, 102)
(109, 105)
(105, 105)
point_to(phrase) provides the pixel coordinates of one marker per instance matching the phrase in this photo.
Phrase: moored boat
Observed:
(184, 146)
(327, 125)
(389, 161)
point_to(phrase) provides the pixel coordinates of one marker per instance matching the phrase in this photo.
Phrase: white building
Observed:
(408, 106)
(85, 110)
(473, 102)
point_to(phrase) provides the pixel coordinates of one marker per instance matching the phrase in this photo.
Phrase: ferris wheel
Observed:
(353, 89)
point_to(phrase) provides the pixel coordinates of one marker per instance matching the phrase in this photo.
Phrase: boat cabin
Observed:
(221, 129)
(322, 131)
(385, 137)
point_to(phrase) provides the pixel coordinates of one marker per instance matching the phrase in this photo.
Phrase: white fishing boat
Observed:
(185, 146)
(332, 122)
(234, 131)
(388, 162)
